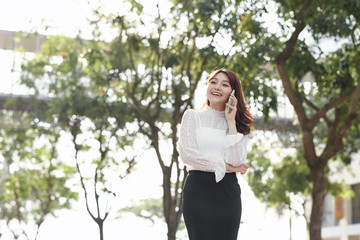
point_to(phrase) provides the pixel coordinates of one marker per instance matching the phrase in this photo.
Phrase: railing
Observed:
(30, 43)
(39, 104)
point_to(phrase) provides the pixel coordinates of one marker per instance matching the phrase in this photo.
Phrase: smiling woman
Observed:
(66, 17)
(218, 91)
(213, 147)
(227, 80)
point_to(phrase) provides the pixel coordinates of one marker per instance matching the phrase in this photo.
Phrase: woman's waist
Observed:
(198, 171)
(190, 168)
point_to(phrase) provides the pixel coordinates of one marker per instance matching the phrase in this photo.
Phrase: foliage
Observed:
(78, 77)
(161, 67)
(276, 181)
(150, 209)
(150, 70)
(35, 183)
(322, 87)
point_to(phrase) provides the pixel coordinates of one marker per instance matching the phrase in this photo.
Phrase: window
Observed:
(328, 218)
(355, 204)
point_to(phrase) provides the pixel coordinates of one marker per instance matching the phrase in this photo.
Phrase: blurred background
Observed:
(92, 94)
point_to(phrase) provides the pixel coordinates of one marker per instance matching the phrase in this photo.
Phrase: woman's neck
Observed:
(218, 107)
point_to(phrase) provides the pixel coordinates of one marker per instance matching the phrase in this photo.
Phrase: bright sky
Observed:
(23, 15)
(66, 17)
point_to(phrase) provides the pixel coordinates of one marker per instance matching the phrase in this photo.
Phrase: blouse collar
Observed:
(215, 112)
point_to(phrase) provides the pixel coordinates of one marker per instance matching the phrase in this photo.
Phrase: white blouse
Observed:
(205, 144)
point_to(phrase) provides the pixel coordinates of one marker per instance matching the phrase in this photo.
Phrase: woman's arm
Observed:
(236, 152)
(241, 169)
(188, 149)
(235, 142)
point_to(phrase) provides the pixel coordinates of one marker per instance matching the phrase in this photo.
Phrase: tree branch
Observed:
(281, 59)
(159, 68)
(333, 147)
(154, 137)
(321, 113)
(295, 97)
(189, 61)
(351, 116)
(299, 26)
(354, 101)
(310, 104)
(132, 91)
(82, 178)
(185, 54)
(333, 127)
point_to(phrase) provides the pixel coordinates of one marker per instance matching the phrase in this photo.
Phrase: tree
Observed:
(278, 183)
(156, 63)
(150, 209)
(160, 71)
(285, 183)
(336, 79)
(158, 76)
(322, 87)
(31, 186)
(85, 107)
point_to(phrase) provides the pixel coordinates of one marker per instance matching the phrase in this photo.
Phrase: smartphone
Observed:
(230, 100)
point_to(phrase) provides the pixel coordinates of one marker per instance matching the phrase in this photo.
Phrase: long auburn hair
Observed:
(243, 116)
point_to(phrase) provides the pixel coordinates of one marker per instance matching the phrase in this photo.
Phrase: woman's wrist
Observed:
(229, 168)
(232, 127)
(242, 168)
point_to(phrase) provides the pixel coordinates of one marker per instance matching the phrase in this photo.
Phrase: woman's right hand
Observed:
(241, 168)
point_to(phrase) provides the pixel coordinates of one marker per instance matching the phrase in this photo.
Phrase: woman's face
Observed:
(218, 91)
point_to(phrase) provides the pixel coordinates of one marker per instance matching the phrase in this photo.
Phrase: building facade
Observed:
(341, 217)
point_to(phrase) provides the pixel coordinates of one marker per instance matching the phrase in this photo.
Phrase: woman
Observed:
(212, 146)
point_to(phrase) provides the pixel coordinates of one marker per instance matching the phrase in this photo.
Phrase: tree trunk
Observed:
(101, 229)
(290, 223)
(171, 231)
(318, 194)
(169, 211)
(4, 176)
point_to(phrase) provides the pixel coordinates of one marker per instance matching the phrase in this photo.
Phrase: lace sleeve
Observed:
(189, 152)
(235, 145)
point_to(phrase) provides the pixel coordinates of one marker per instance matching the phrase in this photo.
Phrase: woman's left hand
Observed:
(230, 115)
(241, 168)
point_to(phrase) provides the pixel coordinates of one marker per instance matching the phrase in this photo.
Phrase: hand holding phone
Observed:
(230, 100)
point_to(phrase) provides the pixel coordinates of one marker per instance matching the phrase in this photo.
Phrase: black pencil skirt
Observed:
(211, 210)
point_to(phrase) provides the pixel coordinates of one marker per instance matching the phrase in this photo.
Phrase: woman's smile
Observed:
(218, 91)
(215, 93)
